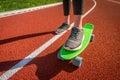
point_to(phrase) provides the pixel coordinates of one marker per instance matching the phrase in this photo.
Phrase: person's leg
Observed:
(75, 39)
(66, 9)
(78, 21)
(67, 19)
(78, 11)
(66, 24)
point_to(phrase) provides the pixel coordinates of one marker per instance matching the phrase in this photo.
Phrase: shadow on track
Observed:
(48, 66)
(24, 37)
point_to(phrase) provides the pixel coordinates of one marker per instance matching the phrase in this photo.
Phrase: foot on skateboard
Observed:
(65, 54)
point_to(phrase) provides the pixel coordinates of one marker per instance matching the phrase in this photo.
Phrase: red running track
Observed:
(22, 34)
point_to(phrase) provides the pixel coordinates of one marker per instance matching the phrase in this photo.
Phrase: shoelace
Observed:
(74, 34)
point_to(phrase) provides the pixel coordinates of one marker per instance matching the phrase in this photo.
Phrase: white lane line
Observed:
(26, 60)
(30, 57)
(95, 3)
(21, 11)
(117, 2)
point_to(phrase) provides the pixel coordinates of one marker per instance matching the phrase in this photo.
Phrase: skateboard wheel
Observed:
(77, 61)
(92, 37)
(58, 56)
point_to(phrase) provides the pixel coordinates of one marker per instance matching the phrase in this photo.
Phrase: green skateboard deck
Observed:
(67, 54)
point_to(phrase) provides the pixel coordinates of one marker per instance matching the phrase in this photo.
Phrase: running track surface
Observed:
(22, 34)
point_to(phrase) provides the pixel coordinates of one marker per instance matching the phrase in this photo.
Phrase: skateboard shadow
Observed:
(47, 66)
(24, 37)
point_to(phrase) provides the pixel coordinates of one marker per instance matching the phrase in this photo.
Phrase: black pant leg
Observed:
(66, 7)
(78, 7)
